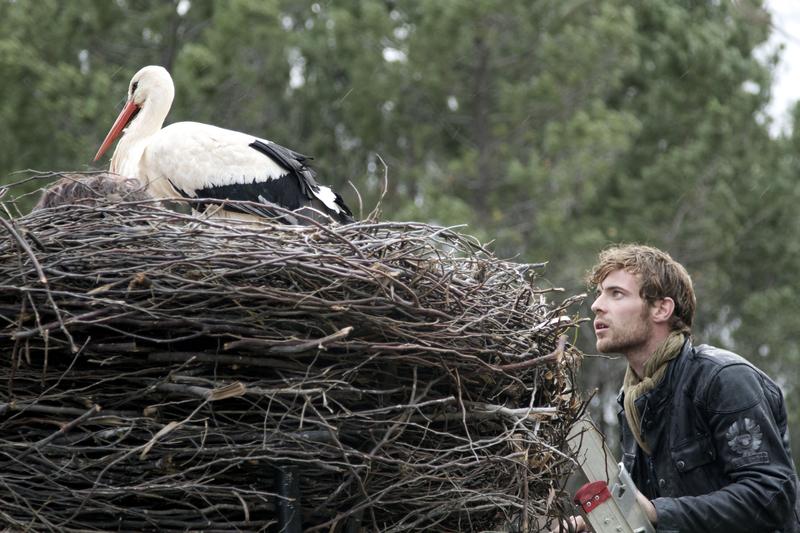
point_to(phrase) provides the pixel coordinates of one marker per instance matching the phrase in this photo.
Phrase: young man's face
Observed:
(621, 321)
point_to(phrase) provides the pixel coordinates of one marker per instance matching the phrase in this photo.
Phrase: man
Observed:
(704, 432)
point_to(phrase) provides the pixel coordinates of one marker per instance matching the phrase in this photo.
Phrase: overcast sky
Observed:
(786, 24)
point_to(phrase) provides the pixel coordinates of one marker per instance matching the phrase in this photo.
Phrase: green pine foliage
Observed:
(550, 127)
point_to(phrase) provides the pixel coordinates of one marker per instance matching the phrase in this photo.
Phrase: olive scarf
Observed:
(654, 369)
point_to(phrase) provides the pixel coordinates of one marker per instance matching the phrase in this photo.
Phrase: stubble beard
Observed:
(623, 341)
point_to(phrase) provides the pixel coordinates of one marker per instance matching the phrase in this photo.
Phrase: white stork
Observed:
(195, 160)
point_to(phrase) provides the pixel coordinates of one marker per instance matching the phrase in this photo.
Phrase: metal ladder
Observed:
(608, 502)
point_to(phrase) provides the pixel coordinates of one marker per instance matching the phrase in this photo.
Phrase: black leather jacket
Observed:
(721, 460)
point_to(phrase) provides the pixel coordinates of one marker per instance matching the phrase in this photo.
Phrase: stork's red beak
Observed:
(125, 116)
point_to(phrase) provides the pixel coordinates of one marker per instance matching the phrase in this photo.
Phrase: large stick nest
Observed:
(164, 372)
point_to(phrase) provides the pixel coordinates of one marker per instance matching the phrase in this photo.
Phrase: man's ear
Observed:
(662, 309)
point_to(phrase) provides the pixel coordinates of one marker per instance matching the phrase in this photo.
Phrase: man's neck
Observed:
(639, 356)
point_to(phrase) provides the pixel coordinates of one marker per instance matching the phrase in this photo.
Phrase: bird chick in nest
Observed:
(91, 189)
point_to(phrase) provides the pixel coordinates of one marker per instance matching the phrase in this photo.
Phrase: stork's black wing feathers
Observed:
(295, 163)
(292, 161)
(294, 190)
(284, 191)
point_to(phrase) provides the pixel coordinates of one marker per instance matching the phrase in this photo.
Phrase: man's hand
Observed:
(573, 524)
(648, 507)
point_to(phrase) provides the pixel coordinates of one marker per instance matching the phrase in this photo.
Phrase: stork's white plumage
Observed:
(195, 160)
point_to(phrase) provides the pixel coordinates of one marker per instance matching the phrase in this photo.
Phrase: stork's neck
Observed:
(150, 117)
(147, 122)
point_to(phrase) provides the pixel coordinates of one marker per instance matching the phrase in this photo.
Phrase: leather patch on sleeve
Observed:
(760, 458)
(744, 439)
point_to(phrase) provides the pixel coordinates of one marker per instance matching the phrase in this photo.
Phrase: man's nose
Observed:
(597, 304)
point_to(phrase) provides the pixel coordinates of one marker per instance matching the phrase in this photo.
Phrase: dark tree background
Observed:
(551, 127)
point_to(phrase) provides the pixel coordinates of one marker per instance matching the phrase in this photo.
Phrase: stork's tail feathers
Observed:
(344, 216)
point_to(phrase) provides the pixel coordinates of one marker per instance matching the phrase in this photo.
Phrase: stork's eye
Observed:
(134, 86)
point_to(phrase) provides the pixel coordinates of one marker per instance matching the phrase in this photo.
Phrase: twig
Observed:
(64, 429)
